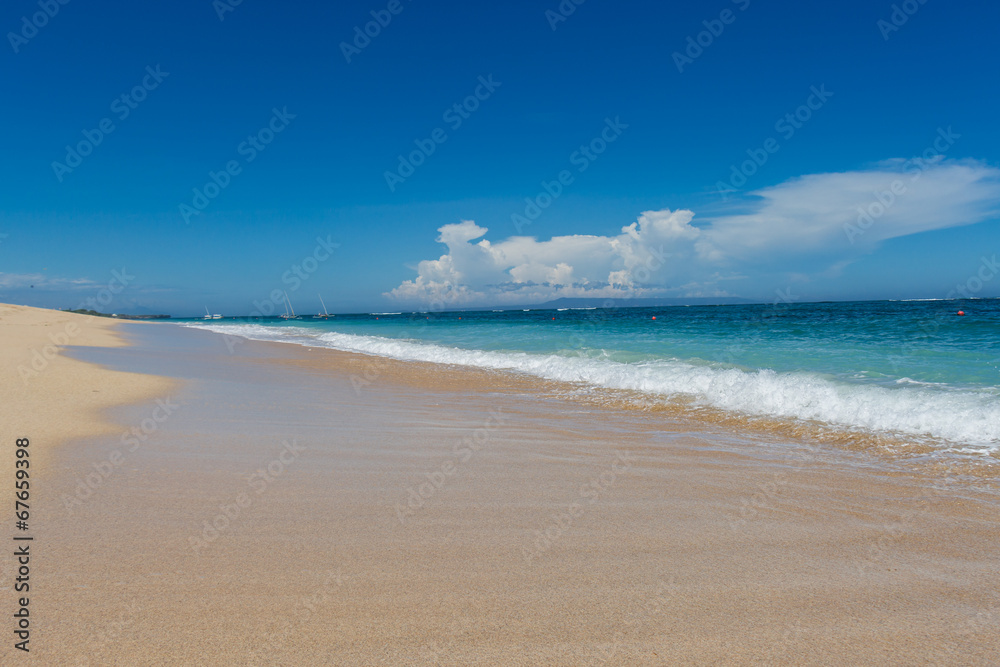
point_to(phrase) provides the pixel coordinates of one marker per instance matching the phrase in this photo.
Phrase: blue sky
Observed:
(926, 90)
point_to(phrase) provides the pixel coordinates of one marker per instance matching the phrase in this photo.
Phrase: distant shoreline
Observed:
(566, 303)
(118, 316)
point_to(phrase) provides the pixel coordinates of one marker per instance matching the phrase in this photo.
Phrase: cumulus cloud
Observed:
(833, 217)
(523, 268)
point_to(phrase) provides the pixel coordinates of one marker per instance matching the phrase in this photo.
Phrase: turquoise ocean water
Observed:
(908, 369)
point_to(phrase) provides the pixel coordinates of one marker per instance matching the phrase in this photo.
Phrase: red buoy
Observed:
(961, 312)
(654, 317)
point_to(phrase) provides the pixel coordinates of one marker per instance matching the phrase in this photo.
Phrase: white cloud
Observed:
(10, 281)
(522, 268)
(834, 217)
(853, 212)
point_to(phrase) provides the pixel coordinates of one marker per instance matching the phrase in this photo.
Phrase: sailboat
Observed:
(289, 313)
(210, 316)
(324, 315)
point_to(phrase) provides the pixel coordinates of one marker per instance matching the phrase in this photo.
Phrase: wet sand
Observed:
(310, 507)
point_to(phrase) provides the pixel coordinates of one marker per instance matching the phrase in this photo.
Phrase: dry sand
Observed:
(52, 398)
(550, 532)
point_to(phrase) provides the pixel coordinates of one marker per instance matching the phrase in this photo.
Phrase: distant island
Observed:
(120, 316)
(568, 302)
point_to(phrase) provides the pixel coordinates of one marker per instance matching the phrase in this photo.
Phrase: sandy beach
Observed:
(512, 334)
(269, 504)
(53, 397)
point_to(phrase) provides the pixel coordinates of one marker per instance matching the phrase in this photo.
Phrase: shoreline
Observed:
(895, 453)
(287, 515)
(52, 397)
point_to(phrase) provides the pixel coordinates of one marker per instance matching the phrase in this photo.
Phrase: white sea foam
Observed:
(967, 417)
